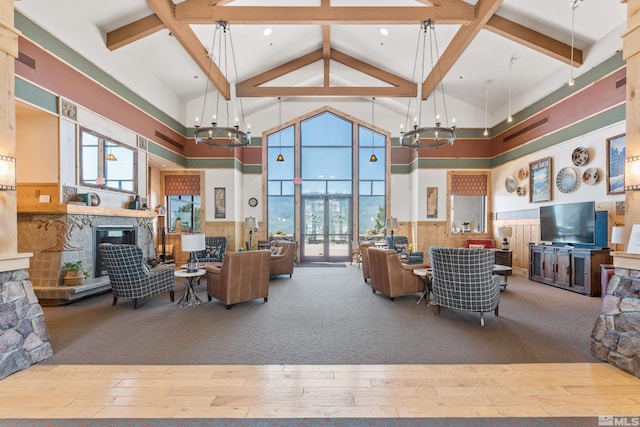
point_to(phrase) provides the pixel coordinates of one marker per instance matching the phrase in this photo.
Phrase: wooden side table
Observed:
(190, 279)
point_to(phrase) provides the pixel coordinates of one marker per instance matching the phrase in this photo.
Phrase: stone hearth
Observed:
(67, 235)
(616, 333)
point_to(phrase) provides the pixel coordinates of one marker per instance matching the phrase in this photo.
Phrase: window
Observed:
(184, 213)
(97, 171)
(183, 203)
(468, 201)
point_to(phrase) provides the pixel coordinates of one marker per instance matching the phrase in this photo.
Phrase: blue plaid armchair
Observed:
(462, 279)
(401, 245)
(216, 247)
(131, 277)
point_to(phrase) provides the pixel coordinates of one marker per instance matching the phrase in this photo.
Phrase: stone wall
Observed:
(24, 339)
(616, 334)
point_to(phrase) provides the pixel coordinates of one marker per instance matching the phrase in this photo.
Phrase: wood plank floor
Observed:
(286, 391)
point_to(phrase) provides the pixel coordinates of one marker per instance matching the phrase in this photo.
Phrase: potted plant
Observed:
(466, 227)
(74, 273)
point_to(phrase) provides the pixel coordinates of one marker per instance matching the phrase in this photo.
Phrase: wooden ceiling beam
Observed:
(326, 54)
(463, 38)
(134, 31)
(204, 12)
(191, 43)
(312, 91)
(399, 87)
(534, 40)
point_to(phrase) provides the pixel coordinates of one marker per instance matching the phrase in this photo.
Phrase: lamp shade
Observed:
(193, 242)
(250, 223)
(617, 235)
(7, 173)
(391, 223)
(505, 232)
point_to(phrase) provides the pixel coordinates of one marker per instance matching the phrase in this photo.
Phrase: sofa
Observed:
(216, 246)
(391, 277)
(463, 279)
(242, 277)
(283, 262)
(131, 277)
(480, 243)
(401, 245)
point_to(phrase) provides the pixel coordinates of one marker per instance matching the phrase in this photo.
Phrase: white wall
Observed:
(560, 155)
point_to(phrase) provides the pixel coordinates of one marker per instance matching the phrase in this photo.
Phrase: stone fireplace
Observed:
(616, 333)
(69, 235)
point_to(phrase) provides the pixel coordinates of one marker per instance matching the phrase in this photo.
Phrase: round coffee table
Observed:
(502, 270)
(190, 279)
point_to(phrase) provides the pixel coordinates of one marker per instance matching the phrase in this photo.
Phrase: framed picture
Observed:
(540, 180)
(220, 202)
(616, 153)
(432, 202)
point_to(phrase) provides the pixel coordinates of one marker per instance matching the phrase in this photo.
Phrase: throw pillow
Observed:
(476, 246)
(276, 250)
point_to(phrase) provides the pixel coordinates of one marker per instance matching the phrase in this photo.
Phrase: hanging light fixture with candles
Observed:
(215, 134)
(280, 157)
(429, 136)
(512, 60)
(574, 5)
(373, 157)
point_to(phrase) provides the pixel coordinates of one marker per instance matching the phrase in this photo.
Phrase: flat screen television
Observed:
(569, 223)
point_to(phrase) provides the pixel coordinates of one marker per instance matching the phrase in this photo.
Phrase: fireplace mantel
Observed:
(626, 260)
(86, 210)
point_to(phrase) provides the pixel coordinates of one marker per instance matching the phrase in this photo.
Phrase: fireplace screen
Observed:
(110, 234)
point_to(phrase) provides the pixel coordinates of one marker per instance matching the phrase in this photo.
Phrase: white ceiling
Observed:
(158, 69)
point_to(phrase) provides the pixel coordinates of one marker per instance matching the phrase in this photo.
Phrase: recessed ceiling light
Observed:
(267, 31)
(384, 31)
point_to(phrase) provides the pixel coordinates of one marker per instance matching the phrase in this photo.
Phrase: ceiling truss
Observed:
(177, 18)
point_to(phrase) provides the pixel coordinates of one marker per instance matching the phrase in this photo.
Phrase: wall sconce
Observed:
(632, 173)
(7, 173)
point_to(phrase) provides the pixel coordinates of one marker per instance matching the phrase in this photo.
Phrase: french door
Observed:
(326, 228)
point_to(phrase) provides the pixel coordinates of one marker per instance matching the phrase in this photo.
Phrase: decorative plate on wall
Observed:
(521, 191)
(523, 173)
(510, 184)
(566, 180)
(580, 156)
(591, 176)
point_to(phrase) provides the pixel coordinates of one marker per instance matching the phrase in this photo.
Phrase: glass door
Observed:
(326, 229)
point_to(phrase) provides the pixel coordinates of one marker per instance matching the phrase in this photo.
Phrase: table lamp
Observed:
(251, 223)
(505, 232)
(193, 243)
(617, 236)
(390, 224)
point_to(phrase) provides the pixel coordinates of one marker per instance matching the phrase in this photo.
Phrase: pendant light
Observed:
(373, 157)
(280, 157)
(511, 61)
(574, 5)
(486, 107)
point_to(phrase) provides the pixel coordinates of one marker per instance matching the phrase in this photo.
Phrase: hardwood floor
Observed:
(285, 391)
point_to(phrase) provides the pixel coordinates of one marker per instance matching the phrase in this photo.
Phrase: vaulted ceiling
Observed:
(322, 51)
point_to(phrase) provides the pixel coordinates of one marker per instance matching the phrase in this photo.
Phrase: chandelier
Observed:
(215, 134)
(428, 136)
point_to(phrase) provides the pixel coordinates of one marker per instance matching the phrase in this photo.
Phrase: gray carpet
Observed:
(325, 316)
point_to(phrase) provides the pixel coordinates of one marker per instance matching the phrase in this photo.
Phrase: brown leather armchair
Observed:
(391, 277)
(243, 276)
(364, 254)
(283, 263)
